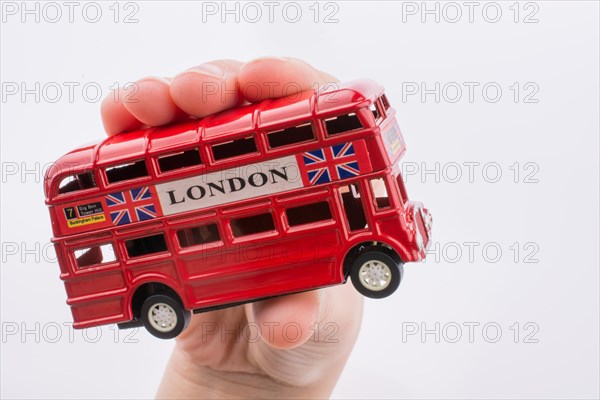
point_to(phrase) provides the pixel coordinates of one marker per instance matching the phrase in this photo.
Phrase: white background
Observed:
(551, 211)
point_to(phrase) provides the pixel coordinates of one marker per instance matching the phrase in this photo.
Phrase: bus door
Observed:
(353, 208)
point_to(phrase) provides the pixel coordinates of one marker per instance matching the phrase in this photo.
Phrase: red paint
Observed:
(234, 268)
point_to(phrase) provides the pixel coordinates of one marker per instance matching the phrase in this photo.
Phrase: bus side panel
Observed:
(95, 283)
(63, 260)
(392, 141)
(302, 261)
(377, 149)
(254, 285)
(159, 271)
(393, 232)
(98, 312)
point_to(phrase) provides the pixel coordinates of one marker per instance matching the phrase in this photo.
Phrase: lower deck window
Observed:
(308, 213)
(146, 245)
(95, 255)
(198, 235)
(402, 188)
(380, 193)
(253, 224)
(353, 207)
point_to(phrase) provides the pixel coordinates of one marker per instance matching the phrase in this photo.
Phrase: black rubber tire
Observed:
(182, 316)
(395, 267)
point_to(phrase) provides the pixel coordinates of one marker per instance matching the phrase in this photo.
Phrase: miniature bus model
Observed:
(278, 197)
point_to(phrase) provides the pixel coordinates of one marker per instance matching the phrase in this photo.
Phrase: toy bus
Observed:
(278, 197)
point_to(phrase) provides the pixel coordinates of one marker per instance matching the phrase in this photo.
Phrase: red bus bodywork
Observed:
(185, 207)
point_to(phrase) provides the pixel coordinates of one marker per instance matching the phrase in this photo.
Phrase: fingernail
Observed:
(153, 79)
(278, 58)
(266, 58)
(210, 70)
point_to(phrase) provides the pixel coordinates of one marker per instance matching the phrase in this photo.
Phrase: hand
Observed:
(267, 349)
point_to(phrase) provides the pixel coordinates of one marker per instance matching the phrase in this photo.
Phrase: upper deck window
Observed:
(292, 135)
(72, 183)
(385, 102)
(184, 159)
(234, 148)
(123, 172)
(375, 110)
(343, 123)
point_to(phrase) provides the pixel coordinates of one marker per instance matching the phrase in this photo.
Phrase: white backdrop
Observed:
(498, 102)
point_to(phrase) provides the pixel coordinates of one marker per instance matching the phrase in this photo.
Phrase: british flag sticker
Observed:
(133, 205)
(316, 167)
(337, 162)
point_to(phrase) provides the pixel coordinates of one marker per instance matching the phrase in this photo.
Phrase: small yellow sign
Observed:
(73, 223)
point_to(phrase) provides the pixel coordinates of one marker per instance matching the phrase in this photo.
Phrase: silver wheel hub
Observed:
(162, 317)
(375, 275)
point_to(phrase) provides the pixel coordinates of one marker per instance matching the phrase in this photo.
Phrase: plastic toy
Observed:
(263, 200)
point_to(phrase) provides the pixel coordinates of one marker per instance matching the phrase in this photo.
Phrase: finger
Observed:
(115, 117)
(287, 320)
(326, 77)
(207, 88)
(272, 77)
(149, 101)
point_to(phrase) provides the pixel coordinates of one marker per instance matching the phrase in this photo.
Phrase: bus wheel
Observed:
(376, 274)
(164, 317)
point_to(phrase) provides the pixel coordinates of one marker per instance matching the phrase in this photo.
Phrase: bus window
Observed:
(403, 195)
(72, 183)
(198, 235)
(375, 110)
(380, 193)
(253, 224)
(123, 172)
(234, 148)
(184, 159)
(146, 245)
(308, 213)
(95, 255)
(342, 123)
(353, 207)
(385, 102)
(292, 135)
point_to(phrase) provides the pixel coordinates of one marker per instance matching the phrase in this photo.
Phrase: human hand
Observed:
(305, 339)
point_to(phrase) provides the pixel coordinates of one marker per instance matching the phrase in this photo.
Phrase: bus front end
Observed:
(415, 221)
(419, 224)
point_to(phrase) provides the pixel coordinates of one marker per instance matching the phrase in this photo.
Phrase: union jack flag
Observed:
(330, 163)
(131, 206)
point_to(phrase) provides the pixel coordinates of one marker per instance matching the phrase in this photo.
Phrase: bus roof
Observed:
(137, 144)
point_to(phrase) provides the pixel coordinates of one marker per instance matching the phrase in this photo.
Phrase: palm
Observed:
(283, 339)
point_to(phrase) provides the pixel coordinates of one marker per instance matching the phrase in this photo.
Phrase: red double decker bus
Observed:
(278, 197)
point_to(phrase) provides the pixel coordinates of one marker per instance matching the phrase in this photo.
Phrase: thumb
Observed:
(286, 322)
